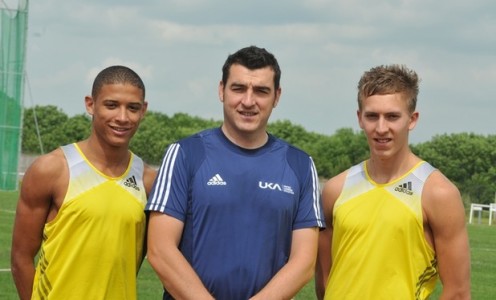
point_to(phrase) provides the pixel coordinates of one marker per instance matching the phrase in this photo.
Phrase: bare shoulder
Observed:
(46, 166)
(331, 191)
(149, 175)
(46, 177)
(441, 199)
(332, 188)
(439, 190)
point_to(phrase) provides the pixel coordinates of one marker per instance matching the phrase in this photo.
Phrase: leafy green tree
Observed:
(152, 137)
(157, 131)
(331, 154)
(184, 125)
(293, 134)
(43, 120)
(340, 151)
(469, 160)
(299, 137)
(465, 158)
(76, 128)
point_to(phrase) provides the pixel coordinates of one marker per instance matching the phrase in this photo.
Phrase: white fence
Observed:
(479, 208)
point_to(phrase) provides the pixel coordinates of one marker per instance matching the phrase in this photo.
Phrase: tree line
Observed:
(468, 159)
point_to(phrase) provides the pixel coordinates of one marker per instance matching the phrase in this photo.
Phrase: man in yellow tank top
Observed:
(81, 206)
(394, 223)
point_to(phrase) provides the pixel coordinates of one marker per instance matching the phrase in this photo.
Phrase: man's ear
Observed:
(278, 96)
(221, 91)
(89, 103)
(413, 120)
(144, 108)
(359, 117)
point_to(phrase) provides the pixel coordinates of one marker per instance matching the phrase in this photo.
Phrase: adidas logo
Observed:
(131, 182)
(216, 180)
(405, 188)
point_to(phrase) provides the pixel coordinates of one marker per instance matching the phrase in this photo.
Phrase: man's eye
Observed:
(134, 108)
(263, 91)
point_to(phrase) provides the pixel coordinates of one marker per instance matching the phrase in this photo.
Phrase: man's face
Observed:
(117, 112)
(248, 98)
(386, 121)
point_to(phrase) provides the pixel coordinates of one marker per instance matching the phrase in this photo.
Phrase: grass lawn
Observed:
(482, 245)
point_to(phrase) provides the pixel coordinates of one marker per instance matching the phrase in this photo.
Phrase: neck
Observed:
(388, 169)
(248, 140)
(112, 161)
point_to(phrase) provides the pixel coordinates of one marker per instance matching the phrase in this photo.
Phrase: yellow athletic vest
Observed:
(93, 248)
(379, 250)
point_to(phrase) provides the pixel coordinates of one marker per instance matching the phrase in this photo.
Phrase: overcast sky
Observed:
(323, 47)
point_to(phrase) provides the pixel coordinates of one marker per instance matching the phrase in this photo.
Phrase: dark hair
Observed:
(391, 79)
(117, 74)
(252, 57)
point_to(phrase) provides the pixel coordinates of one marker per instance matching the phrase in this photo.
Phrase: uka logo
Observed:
(275, 186)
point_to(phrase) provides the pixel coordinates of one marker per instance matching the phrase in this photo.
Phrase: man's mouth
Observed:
(248, 114)
(382, 140)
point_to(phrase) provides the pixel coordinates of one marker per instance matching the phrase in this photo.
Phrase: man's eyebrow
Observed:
(262, 88)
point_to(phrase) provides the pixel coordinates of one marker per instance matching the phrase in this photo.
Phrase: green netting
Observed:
(13, 30)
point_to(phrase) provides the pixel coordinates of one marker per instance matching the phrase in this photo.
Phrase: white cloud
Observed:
(178, 47)
(145, 72)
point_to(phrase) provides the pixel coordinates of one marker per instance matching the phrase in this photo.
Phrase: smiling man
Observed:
(235, 212)
(394, 222)
(81, 206)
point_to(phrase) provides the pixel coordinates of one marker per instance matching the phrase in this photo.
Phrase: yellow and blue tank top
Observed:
(379, 250)
(94, 246)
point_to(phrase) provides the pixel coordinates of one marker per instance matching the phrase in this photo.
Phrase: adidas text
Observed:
(403, 190)
(216, 183)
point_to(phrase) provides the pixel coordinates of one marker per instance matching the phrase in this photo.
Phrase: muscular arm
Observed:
(298, 270)
(35, 207)
(330, 193)
(446, 220)
(174, 271)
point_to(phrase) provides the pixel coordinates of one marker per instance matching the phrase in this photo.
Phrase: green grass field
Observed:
(482, 244)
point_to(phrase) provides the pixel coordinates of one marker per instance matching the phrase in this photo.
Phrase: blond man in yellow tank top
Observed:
(81, 207)
(394, 223)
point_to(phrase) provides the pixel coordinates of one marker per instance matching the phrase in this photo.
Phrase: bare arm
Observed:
(323, 261)
(174, 271)
(445, 214)
(35, 207)
(297, 271)
(330, 193)
(149, 175)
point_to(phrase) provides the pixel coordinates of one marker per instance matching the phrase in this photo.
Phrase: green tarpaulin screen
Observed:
(13, 30)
